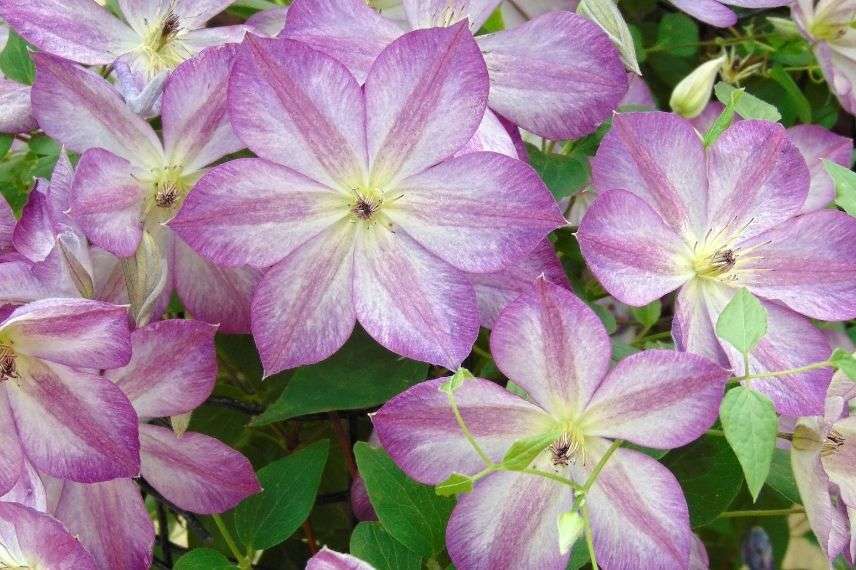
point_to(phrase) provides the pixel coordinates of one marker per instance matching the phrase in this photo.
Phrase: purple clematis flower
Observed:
(327, 559)
(828, 24)
(554, 347)
(673, 215)
(154, 38)
(128, 183)
(31, 539)
(823, 452)
(714, 12)
(69, 422)
(558, 76)
(356, 203)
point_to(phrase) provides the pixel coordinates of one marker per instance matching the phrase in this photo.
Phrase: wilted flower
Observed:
(713, 12)
(691, 96)
(32, 539)
(673, 215)
(355, 202)
(554, 347)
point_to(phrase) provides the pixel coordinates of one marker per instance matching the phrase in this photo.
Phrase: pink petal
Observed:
(816, 144)
(196, 128)
(418, 429)
(254, 212)
(32, 539)
(840, 73)
(839, 463)
(195, 13)
(509, 521)
(302, 309)
(15, 110)
(758, 179)
(478, 212)
(74, 425)
(558, 76)
(657, 398)
(300, 108)
(347, 30)
(195, 472)
(635, 255)
(82, 111)
(7, 225)
(328, 559)
(11, 455)
(198, 40)
(34, 236)
(433, 13)
(693, 326)
(29, 489)
(111, 520)
(173, 368)
(708, 11)
(553, 346)
(493, 136)
(79, 30)
(412, 302)
(425, 97)
(269, 22)
(660, 158)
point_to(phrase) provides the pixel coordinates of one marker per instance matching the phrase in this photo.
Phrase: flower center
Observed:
(567, 448)
(169, 186)
(833, 442)
(715, 264)
(159, 43)
(8, 370)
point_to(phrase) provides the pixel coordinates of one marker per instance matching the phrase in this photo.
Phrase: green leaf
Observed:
(579, 555)
(457, 380)
(723, 121)
(677, 34)
(203, 559)
(372, 543)
(456, 484)
(493, 24)
(412, 513)
(750, 424)
(5, 144)
(607, 318)
(743, 321)
(781, 477)
(845, 362)
(290, 486)
(15, 61)
(564, 175)
(799, 100)
(748, 106)
(361, 375)
(648, 315)
(845, 186)
(710, 476)
(523, 451)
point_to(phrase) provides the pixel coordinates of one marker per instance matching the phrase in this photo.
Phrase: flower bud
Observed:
(692, 94)
(605, 14)
(785, 26)
(571, 526)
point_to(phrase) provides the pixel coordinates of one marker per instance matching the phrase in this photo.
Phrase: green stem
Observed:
(552, 476)
(243, 562)
(716, 432)
(482, 352)
(762, 513)
(466, 431)
(600, 465)
(788, 372)
(589, 537)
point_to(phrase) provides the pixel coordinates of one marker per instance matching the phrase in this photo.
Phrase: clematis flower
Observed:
(823, 451)
(553, 346)
(31, 539)
(15, 115)
(128, 183)
(154, 38)
(67, 421)
(828, 25)
(715, 13)
(673, 215)
(327, 559)
(557, 76)
(355, 203)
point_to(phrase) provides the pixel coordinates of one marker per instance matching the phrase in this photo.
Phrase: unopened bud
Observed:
(571, 526)
(785, 26)
(605, 14)
(692, 94)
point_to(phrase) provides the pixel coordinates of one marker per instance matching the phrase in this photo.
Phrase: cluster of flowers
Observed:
(388, 185)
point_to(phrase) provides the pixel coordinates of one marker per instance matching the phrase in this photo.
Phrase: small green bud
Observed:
(571, 527)
(692, 94)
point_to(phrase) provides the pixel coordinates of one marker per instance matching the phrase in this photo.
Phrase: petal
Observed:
(558, 76)
(269, 22)
(493, 136)
(111, 520)
(254, 212)
(107, 200)
(419, 431)
(11, 455)
(195, 472)
(657, 398)
(433, 13)
(347, 30)
(33, 236)
(840, 73)
(79, 30)
(660, 158)
(827, 516)
(15, 110)
(74, 332)
(302, 309)
(496, 290)
(28, 490)
(195, 13)
(693, 328)
(553, 346)
(412, 302)
(817, 144)
(196, 128)
(516, 13)
(758, 179)
(808, 263)
(425, 97)
(328, 559)
(23, 282)
(478, 212)
(214, 294)
(74, 425)
(639, 517)
(635, 255)
(7, 225)
(509, 521)
(195, 41)
(839, 463)
(83, 111)
(638, 93)
(37, 540)
(300, 108)
(173, 368)
(708, 11)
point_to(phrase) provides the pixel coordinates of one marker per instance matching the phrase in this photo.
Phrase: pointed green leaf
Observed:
(455, 485)
(743, 321)
(15, 61)
(523, 451)
(723, 121)
(648, 315)
(372, 543)
(203, 559)
(845, 362)
(748, 106)
(456, 381)
(750, 424)
(845, 186)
